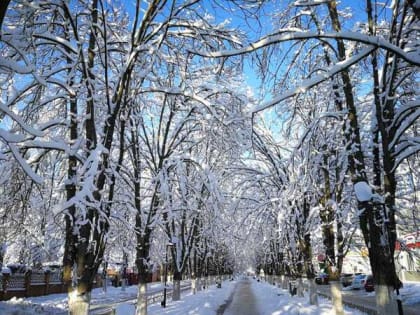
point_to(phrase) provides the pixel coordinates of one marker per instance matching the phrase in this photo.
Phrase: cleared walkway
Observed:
(242, 301)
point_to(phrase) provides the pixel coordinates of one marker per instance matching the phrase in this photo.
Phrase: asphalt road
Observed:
(364, 300)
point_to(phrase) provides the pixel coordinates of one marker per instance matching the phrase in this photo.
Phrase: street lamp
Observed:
(163, 303)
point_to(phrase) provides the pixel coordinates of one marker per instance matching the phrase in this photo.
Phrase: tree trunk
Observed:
(194, 285)
(84, 250)
(327, 214)
(79, 295)
(2, 253)
(141, 308)
(3, 8)
(285, 282)
(199, 284)
(313, 293)
(307, 258)
(176, 293)
(197, 271)
(69, 256)
(271, 281)
(79, 302)
(385, 304)
(416, 8)
(340, 247)
(337, 298)
(300, 287)
(380, 252)
(142, 262)
(384, 133)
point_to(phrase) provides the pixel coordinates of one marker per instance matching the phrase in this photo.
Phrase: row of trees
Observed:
(126, 129)
(348, 102)
(114, 130)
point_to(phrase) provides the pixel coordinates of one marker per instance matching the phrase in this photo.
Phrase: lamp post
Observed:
(163, 303)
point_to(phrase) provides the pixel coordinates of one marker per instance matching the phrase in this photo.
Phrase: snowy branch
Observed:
(309, 83)
(412, 57)
(28, 170)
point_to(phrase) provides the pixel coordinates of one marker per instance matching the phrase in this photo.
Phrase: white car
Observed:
(358, 282)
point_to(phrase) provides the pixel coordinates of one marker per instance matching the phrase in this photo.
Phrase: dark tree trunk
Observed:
(327, 215)
(340, 247)
(176, 293)
(416, 9)
(142, 263)
(381, 262)
(3, 9)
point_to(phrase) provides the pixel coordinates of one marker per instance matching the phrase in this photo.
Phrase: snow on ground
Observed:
(275, 301)
(271, 301)
(205, 302)
(56, 304)
(410, 293)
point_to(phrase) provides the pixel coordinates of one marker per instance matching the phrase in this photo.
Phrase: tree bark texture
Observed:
(3, 9)
(79, 304)
(176, 293)
(337, 298)
(141, 308)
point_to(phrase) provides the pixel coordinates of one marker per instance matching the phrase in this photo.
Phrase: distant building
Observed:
(357, 260)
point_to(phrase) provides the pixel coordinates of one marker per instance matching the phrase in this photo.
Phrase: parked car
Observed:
(346, 279)
(359, 281)
(369, 287)
(322, 278)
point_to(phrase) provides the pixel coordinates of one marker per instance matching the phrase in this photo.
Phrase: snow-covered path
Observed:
(243, 300)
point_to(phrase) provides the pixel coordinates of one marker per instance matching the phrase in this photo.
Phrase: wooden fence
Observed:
(34, 283)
